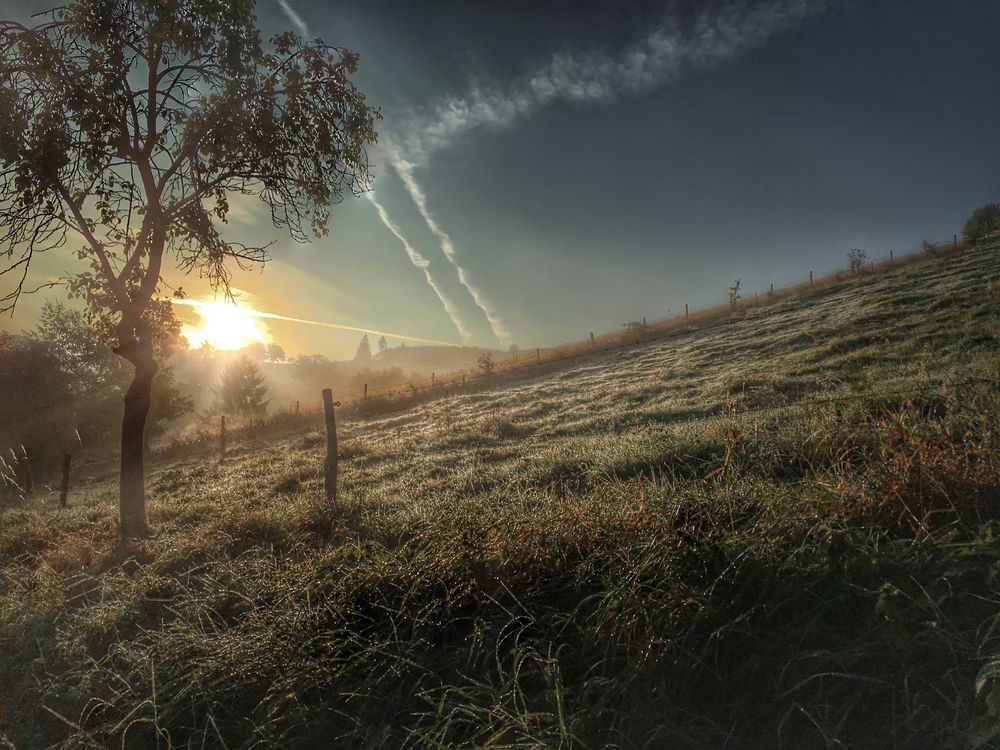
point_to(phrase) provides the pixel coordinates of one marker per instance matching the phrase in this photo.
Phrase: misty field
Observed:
(781, 531)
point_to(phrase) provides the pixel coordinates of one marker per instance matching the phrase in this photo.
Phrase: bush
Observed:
(984, 221)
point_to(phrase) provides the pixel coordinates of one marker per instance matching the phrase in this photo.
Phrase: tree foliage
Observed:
(131, 123)
(734, 293)
(984, 221)
(126, 127)
(487, 366)
(364, 351)
(857, 258)
(242, 389)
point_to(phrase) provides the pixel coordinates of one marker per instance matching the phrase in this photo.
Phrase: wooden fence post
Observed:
(296, 408)
(366, 393)
(330, 465)
(64, 487)
(685, 312)
(222, 438)
(890, 258)
(772, 287)
(538, 356)
(955, 241)
(810, 278)
(591, 339)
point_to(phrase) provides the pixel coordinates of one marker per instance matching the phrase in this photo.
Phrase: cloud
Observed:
(295, 18)
(653, 61)
(419, 261)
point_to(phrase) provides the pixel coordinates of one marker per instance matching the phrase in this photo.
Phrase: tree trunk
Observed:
(132, 486)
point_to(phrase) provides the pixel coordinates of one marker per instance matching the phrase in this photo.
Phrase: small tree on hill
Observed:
(734, 293)
(242, 389)
(486, 364)
(984, 221)
(857, 258)
(127, 126)
(383, 345)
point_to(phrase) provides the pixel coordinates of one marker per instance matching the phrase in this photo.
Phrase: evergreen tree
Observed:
(364, 353)
(382, 344)
(242, 389)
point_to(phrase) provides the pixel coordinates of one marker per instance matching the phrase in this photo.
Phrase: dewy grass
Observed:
(779, 533)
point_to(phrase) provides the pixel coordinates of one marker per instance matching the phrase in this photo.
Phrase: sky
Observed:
(547, 169)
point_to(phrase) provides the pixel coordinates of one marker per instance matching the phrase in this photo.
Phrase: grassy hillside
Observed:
(780, 532)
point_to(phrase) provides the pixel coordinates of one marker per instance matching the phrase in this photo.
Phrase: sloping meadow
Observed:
(778, 532)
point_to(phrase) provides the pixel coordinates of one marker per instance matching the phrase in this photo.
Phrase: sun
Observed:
(224, 326)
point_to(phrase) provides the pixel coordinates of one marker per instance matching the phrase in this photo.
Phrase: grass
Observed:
(782, 532)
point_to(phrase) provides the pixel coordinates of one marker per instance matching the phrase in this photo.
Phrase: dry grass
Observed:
(782, 532)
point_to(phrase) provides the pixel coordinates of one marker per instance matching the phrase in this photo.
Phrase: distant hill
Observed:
(427, 359)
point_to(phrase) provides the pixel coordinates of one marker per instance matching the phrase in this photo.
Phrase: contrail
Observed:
(295, 18)
(651, 61)
(337, 326)
(405, 171)
(423, 264)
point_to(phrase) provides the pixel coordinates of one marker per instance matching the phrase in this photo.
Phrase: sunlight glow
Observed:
(224, 326)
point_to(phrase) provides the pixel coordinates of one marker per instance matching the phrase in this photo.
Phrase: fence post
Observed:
(538, 356)
(25, 464)
(772, 287)
(64, 487)
(330, 465)
(296, 408)
(890, 258)
(222, 438)
(810, 278)
(591, 339)
(873, 267)
(433, 380)
(685, 312)
(366, 392)
(756, 296)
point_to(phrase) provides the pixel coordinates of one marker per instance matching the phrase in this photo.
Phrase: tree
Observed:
(383, 345)
(734, 293)
(274, 353)
(242, 389)
(857, 257)
(984, 221)
(486, 364)
(97, 378)
(127, 125)
(364, 352)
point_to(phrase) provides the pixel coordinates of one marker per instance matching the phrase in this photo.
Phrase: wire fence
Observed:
(636, 332)
(525, 363)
